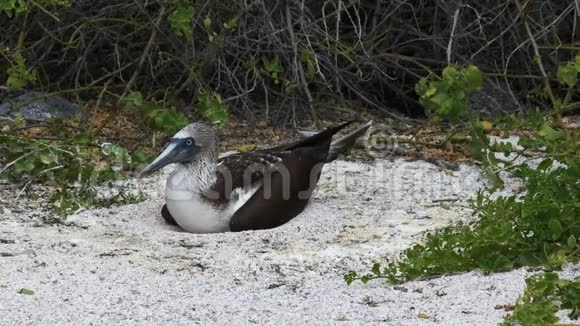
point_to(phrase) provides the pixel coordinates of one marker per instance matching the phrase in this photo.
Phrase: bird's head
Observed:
(192, 143)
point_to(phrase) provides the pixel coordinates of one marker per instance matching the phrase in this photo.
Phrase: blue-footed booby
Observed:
(261, 189)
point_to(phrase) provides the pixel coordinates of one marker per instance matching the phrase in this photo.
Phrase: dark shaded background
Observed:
(364, 55)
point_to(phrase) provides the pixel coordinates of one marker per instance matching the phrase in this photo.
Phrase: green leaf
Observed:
(570, 297)
(231, 24)
(350, 277)
(307, 57)
(207, 22)
(545, 164)
(118, 152)
(575, 229)
(365, 279)
(451, 73)
(133, 100)
(473, 78)
(556, 228)
(83, 138)
(430, 92)
(180, 20)
(422, 86)
(376, 269)
(246, 148)
(9, 7)
(26, 291)
(571, 242)
(47, 158)
(567, 75)
(24, 166)
(139, 156)
(550, 133)
(273, 65)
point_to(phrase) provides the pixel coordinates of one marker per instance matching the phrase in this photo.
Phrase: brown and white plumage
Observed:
(243, 191)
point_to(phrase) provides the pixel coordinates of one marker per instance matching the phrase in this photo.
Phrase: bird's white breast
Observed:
(194, 213)
(190, 211)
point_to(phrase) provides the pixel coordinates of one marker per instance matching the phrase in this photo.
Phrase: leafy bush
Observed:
(161, 118)
(540, 227)
(568, 73)
(12, 7)
(19, 75)
(156, 115)
(77, 170)
(344, 53)
(545, 294)
(212, 108)
(180, 20)
(448, 96)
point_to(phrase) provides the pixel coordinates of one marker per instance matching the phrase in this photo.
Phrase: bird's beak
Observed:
(168, 156)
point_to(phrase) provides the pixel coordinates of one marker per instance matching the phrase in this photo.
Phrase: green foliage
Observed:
(70, 200)
(12, 7)
(570, 298)
(157, 116)
(133, 101)
(231, 24)
(207, 22)
(448, 96)
(167, 119)
(180, 20)
(545, 294)
(162, 118)
(77, 170)
(532, 120)
(140, 157)
(116, 153)
(568, 73)
(212, 107)
(273, 68)
(482, 150)
(307, 58)
(539, 227)
(62, 3)
(19, 75)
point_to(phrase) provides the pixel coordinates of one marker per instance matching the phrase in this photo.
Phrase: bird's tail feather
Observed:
(320, 137)
(343, 144)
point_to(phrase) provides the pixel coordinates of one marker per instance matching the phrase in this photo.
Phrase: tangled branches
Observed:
(283, 60)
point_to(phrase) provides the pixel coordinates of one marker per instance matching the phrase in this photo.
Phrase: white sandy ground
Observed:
(125, 266)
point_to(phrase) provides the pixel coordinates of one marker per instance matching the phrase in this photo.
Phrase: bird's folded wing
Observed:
(241, 171)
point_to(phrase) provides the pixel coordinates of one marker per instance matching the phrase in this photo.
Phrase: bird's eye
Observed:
(189, 142)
